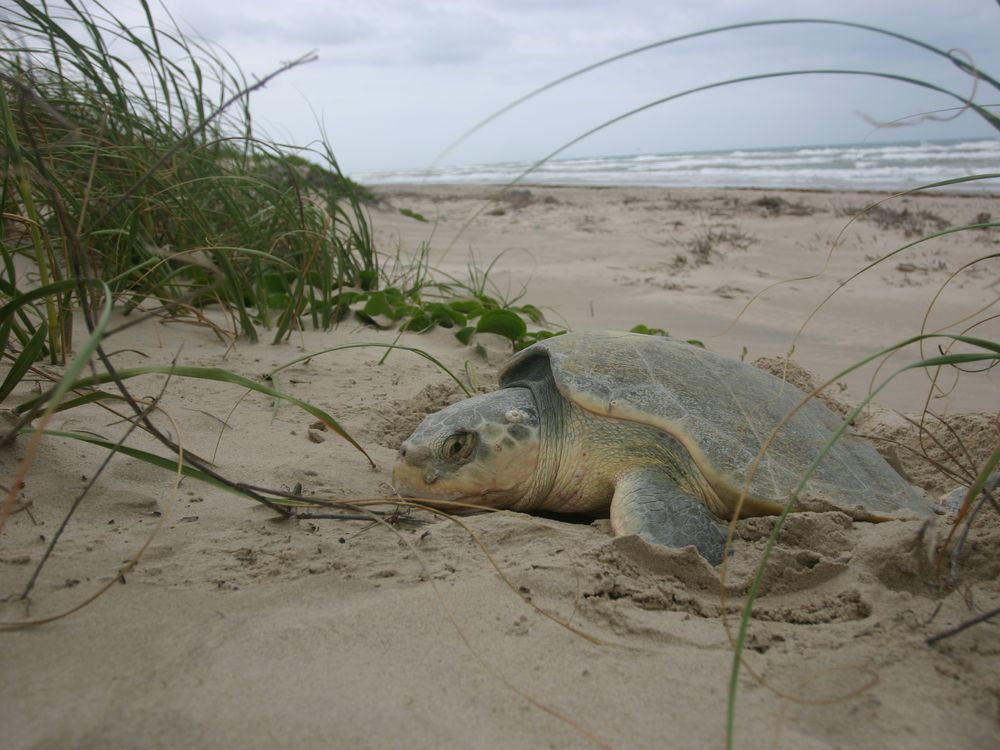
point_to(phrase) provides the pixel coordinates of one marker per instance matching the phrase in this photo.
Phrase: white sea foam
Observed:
(878, 166)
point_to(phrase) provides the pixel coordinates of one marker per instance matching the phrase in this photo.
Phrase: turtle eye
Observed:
(458, 447)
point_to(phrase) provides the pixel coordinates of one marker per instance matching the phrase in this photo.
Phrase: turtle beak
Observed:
(413, 475)
(404, 471)
(412, 471)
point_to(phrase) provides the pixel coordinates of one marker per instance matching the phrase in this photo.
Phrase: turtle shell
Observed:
(722, 411)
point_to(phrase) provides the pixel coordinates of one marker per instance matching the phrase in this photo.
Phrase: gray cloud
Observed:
(397, 79)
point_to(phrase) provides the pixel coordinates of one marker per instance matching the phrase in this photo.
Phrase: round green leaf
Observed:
(502, 322)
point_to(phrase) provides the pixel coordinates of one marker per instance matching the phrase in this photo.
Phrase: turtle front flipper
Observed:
(648, 503)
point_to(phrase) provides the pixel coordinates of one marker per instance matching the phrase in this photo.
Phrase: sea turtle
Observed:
(662, 431)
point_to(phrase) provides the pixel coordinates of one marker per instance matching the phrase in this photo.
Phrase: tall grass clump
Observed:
(137, 147)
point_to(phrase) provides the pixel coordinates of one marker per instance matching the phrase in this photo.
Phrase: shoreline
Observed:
(888, 167)
(932, 192)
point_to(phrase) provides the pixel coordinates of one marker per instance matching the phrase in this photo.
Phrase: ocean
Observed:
(867, 166)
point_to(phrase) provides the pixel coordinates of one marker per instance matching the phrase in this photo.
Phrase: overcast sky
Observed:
(398, 80)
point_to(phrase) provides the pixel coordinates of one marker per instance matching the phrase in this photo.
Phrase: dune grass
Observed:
(129, 156)
(138, 146)
(173, 198)
(133, 181)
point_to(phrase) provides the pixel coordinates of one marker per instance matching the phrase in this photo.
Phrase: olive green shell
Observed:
(722, 411)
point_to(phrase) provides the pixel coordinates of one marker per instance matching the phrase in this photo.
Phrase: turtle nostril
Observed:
(413, 454)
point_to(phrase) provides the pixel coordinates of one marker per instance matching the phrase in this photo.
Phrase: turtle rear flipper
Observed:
(647, 503)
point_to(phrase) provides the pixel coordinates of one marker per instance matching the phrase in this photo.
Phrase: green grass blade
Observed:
(88, 398)
(28, 356)
(390, 347)
(152, 459)
(41, 293)
(82, 358)
(214, 374)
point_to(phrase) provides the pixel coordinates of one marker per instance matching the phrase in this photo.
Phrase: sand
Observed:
(238, 629)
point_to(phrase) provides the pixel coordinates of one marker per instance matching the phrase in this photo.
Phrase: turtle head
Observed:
(483, 450)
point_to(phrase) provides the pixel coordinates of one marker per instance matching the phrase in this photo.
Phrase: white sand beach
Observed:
(240, 629)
